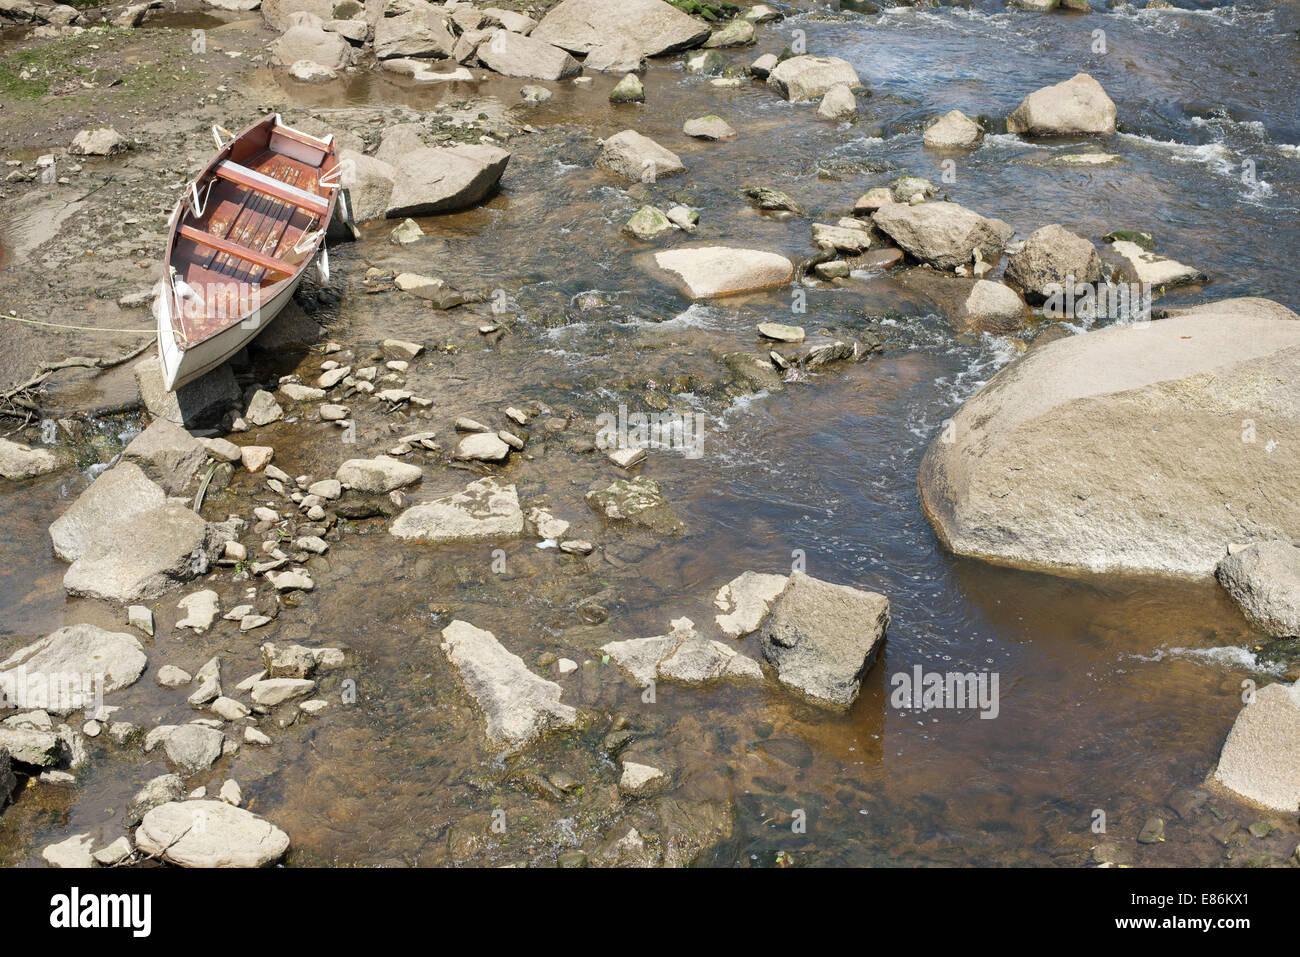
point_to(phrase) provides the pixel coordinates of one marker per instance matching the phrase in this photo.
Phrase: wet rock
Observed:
(991, 306)
(808, 77)
(482, 447)
(256, 457)
(944, 235)
(652, 26)
(850, 240)
(417, 33)
(193, 747)
(119, 493)
(532, 93)
(18, 461)
(621, 55)
(158, 791)
(1078, 105)
(306, 41)
(483, 510)
(681, 655)
(703, 272)
(518, 705)
(822, 638)
(200, 610)
(690, 829)
(737, 33)
(42, 749)
(87, 657)
(1022, 483)
(953, 131)
(648, 223)
(200, 403)
(114, 853)
(626, 848)
(683, 217)
(781, 332)
(167, 454)
(707, 62)
(169, 676)
(772, 200)
(513, 54)
(838, 103)
(209, 684)
(638, 501)
(872, 200)
(641, 780)
(635, 157)
(271, 692)
(628, 90)
(297, 579)
(1049, 258)
(309, 71)
(1264, 580)
(210, 834)
(1142, 265)
(708, 128)
(408, 231)
(263, 409)
(430, 181)
(744, 602)
(104, 141)
(1259, 759)
(377, 475)
(434, 290)
(73, 852)
(1153, 831)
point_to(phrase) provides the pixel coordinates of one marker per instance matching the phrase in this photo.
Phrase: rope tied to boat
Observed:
(64, 325)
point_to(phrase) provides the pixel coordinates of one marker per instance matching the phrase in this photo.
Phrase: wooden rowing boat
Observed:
(240, 241)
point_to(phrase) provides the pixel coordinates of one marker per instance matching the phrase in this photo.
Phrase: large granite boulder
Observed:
(445, 180)
(655, 27)
(1078, 105)
(945, 235)
(210, 834)
(811, 77)
(1260, 760)
(513, 54)
(1264, 579)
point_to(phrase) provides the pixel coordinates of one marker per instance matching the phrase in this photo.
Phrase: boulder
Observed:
(708, 128)
(953, 131)
(1124, 449)
(628, 90)
(18, 461)
(105, 141)
(513, 54)
(73, 852)
(635, 157)
(510, 19)
(1049, 259)
(85, 659)
(620, 55)
(33, 746)
(1078, 105)
(200, 403)
(482, 447)
(308, 71)
(745, 600)
(167, 454)
(944, 235)
(821, 638)
(398, 140)
(1145, 266)
(483, 510)
(1264, 579)
(193, 747)
(991, 307)
(648, 223)
(117, 494)
(737, 33)
(419, 33)
(517, 705)
(809, 77)
(429, 181)
(654, 27)
(305, 42)
(838, 103)
(159, 790)
(703, 272)
(210, 834)
(369, 182)
(378, 475)
(1260, 760)
(277, 13)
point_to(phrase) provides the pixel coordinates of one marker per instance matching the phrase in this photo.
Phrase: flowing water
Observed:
(1114, 693)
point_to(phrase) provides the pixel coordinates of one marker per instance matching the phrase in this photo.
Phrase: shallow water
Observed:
(1114, 692)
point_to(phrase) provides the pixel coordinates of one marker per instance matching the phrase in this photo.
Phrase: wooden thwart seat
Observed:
(269, 263)
(269, 186)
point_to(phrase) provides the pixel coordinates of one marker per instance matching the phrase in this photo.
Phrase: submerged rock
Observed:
(1264, 580)
(821, 638)
(1122, 449)
(1260, 760)
(1078, 105)
(637, 501)
(518, 705)
(210, 834)
(703, 272)
(681, 655)
(483, 510)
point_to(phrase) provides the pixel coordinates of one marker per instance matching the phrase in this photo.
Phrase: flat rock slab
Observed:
(378, 475)
(427, 181)
(655, 28)
(83, 658)
(822, 638)
(682, 655)
(485, 509)
(1264, 579)
(119, 493)
(1121, 450)
(745, 600)
(705, 272)
(638, 501)
(1260, 760)
(518, 705)
(210, 834)
(513, 54)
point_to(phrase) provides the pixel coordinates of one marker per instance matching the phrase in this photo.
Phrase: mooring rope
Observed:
(64, 325)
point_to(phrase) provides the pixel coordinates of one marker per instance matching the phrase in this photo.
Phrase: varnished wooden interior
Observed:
(248, 235)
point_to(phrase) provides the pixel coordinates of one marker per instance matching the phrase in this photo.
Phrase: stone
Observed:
(401, 349)
(114, 853)
(547, 525)
(953, 131)
(270, 692)
(943, 235)
(309, 71)
(408, 231)
(641, 780)
(745, 600)
(159, 790)
(429, 181)
(483, 447)
(200, 610)
(312, 43)
(414, 33)
(256, 457)
(263, 409)
(648, 223)
(231, 794)
(620, 55)
(518, 706)
(809, 77)
(141, 617)
(780, 332)
(708, 128)
(737, 33)
(210, 834)
(117, 494)
(683, 217)
(1144, 266)
(209, 684)
(193, 748)
(200, 403)
(1259, 760)
(707, 62)
(1023, 481)
(485, 509)
(86, 658)
(369, 182)
(513, 54)
(764, 65)
(1264, 580)
(42, 749)
(851, 240)
(1078, 105)
(18, 461)
(652, 26)
(627, 458)
(104, 141)
(635, 157)
(532, 93)
(434, 290)
(991, 305)
(838, 103)
(1049, 259)
(872, 200)
(228, 709)
(628, 90)
(705, 272)
(221, 449)
(297, 579)
(378, 475)
(638, 501)
(821, 638)
(73, 852)
(169, 676)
